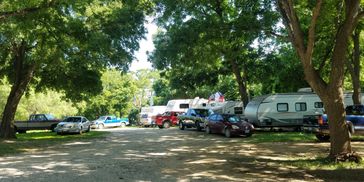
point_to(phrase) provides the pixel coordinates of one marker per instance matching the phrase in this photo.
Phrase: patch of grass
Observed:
(38, 140)
(322, 163)
(262, 137)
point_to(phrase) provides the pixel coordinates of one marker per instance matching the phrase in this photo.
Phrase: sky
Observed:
(145, 45)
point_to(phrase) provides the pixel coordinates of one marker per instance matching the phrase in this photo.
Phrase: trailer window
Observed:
(282, 107)
(301, 106)
(184, 106)
(319, 105)
(238, 110)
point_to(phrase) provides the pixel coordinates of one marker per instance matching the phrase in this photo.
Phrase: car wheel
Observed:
(249, 134)
(80, 132)
(166, 124)
(208, 130)
(181, 125)
(100, 126)
(198, 127)
(323, 138)
(228, 132)
(123, 125)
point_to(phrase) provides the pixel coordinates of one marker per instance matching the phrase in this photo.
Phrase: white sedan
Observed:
(73, 124)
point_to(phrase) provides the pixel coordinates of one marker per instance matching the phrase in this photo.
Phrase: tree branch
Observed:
(311, 31)
(25, 11)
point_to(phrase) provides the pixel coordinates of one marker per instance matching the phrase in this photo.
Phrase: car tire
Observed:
(227, 133)
(166, 124)
(198, 127)
(123, 125)
(100, 126)
(80, 132)
(181, 125)
(208, 130)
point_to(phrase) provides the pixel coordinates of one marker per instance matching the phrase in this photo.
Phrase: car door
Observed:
(220, 126)
(212, 122)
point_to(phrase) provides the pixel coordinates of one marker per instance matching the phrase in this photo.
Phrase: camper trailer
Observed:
(148, 114)
(286, 109)
(182, 105)
(227, 107)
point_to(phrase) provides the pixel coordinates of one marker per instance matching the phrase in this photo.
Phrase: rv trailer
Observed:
(227, 107)
(286, 109)
(182, 105)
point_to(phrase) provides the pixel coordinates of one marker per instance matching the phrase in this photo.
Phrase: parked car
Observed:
(354, 121)
(37, 122)
(229, 125)
(195, 117)
(167, 119)
(109, 121)
(73, 124)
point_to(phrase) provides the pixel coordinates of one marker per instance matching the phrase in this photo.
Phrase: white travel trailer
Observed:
(147, 114)
(286, 109)
(182, 105)
(227, 107)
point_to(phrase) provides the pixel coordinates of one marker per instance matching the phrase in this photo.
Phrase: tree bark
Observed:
(241, 83)
(331, 93)
(23, 73)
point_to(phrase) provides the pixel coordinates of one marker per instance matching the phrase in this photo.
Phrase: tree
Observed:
(63, 45)
(304, 35)
(204, 38)
(116, 97)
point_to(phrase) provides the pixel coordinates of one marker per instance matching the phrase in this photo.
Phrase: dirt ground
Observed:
(151, 154)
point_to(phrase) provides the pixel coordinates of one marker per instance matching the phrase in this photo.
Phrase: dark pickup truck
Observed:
(37, 122)
(320, 125)
(195, 117)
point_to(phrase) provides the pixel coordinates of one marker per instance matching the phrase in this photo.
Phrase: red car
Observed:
(167, 119)
(229, 125)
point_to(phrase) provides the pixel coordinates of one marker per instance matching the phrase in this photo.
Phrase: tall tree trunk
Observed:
(241, 83)
(354, 68)
(330, 93)
(334, 104)
(23, 73)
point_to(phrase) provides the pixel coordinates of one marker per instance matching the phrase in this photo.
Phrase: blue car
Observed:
(109, 121)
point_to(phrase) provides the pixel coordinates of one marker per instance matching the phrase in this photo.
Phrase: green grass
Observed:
(39, 140)
(263, 137)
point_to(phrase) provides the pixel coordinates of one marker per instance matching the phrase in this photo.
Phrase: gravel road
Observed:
(151, 154)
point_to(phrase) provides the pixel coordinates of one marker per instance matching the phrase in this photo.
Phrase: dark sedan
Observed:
(229, 125)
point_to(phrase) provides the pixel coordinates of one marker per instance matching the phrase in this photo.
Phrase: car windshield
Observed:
(72, 120)
(202, 112)
(49, 116)
(102, 118)
(232, 119)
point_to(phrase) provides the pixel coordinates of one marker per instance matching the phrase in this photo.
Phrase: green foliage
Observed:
(202, 41)
(72, 41)
(44, 102)
(134, 116)
(116, 97)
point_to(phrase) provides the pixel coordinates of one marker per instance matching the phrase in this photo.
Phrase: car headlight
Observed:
(235, 127)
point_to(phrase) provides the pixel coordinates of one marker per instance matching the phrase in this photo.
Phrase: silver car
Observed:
(73, 124)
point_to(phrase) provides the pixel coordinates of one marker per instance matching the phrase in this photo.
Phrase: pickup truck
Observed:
(109, 121)
(37, 122)
(320, 126)
(167, 119)
(194, 118)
